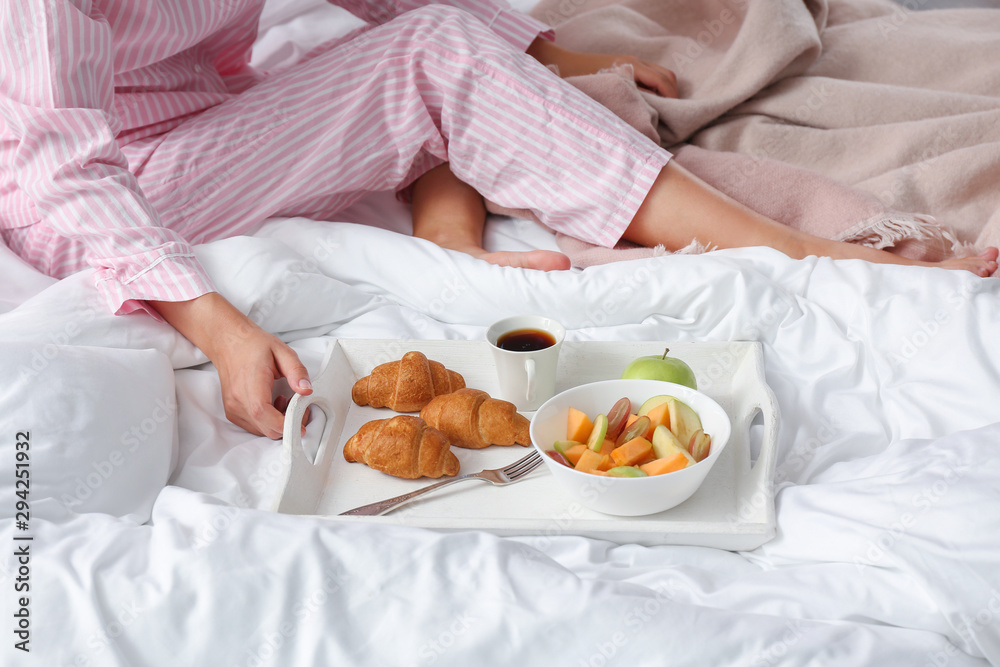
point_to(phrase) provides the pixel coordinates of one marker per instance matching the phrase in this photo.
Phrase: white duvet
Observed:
(151, 540)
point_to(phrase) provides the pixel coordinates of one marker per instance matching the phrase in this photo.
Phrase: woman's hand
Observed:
(650, 76)
(247, 358)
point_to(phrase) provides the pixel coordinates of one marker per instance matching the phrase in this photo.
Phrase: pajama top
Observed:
(81, 78)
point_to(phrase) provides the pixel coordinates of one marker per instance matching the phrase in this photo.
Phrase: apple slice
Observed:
(666, 444)
(562, 445)
(701, 445)
(626, 471)
(617, 416)
(684, 421)
(598, 432)
(651, 403)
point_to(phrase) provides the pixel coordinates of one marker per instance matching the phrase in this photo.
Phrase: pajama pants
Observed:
(374, 112)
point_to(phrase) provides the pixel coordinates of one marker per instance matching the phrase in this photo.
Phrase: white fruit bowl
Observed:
(627, 496)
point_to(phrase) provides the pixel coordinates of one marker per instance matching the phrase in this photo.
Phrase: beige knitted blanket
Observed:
(852, 119)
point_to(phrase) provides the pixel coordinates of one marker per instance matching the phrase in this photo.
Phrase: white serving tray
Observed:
(733, 509)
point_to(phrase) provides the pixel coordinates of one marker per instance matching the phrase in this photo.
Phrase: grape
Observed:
(556, 456)
(617, 416)
(638, 428)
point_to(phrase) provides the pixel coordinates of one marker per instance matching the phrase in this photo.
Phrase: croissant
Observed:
(406, 385)
(472, 419)
(402, 446)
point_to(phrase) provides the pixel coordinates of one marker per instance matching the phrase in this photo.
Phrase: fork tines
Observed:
(524, 466)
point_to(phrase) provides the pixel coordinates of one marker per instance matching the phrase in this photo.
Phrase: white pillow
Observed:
(94, 428)
(71, 312)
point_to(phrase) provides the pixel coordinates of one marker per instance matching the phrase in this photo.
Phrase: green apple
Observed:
(669, 369)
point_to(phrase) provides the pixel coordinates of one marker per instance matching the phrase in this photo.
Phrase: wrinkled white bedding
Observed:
(888, 503)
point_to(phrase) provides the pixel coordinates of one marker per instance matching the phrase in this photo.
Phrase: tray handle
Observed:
(295, 413)
(767, 405)
(309, 470)
(755, 396)
(755, 482)
(756, 498)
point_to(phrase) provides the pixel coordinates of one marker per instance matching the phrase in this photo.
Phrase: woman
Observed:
(133, 130)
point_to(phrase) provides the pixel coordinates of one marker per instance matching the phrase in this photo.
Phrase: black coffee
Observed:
(526, 340)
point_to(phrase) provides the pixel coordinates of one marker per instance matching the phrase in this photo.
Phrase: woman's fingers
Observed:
(248, 370)
(247, 358)
(291, 368)
(648, 75)
(658, 79)
(247, 397)
(255, 401)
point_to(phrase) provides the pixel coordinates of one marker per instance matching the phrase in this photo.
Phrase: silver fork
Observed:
(497, 477)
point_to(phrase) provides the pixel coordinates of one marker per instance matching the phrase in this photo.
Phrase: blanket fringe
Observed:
(888, 229)
(881, 231)
(696, 247)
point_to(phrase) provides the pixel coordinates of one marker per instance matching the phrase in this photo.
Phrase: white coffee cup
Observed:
(527, 371)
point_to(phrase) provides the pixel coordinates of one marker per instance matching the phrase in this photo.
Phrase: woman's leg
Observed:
(681, 207)
(377, 111)
(452, 214)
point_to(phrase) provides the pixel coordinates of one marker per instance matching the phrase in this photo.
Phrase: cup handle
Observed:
(529, 369)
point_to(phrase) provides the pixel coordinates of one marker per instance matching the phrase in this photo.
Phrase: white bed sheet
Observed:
(888, 505)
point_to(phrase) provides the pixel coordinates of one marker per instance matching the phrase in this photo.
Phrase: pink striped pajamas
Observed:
(142, 130)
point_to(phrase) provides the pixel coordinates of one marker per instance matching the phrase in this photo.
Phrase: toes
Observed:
(990, 254)
(539, 260)
(547, 260)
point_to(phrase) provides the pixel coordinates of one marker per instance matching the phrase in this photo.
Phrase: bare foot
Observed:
(540, 260)
(450, 213)
(983, 265)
